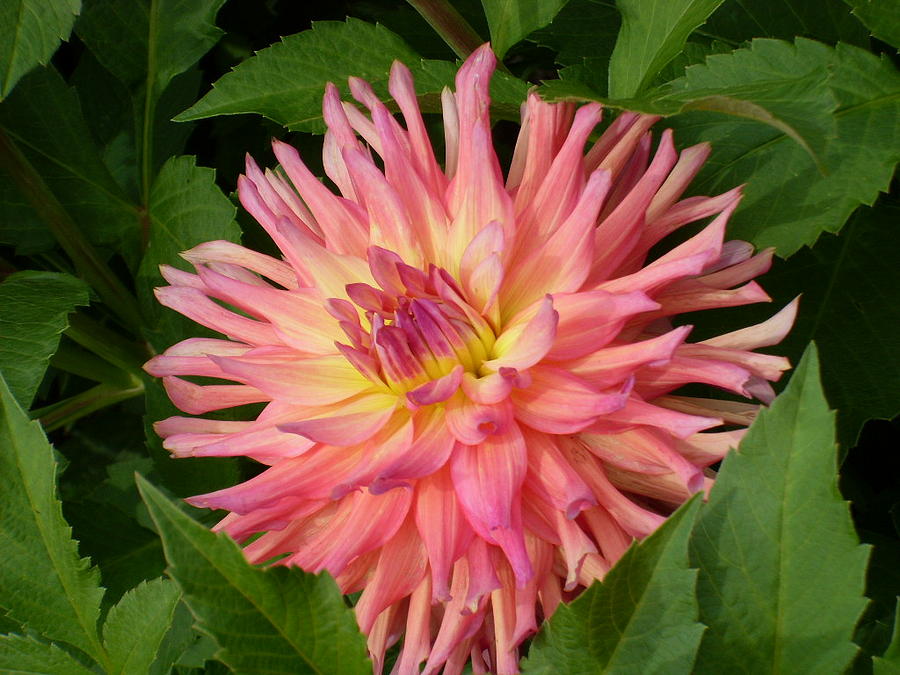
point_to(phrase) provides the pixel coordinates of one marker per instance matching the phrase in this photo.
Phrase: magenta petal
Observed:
(437, 390)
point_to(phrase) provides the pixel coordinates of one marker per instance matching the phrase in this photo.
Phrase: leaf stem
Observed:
(88, 263)
(74, 408)
(72, 359)
(147, 121)
(106, 343)
(449, 24)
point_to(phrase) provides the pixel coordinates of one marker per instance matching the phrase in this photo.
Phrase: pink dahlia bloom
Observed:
(468, 380)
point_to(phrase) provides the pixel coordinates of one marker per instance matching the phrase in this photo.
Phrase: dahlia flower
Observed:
(468, 380)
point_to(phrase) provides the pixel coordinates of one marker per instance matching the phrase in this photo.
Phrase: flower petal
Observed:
(558, 402)
(346, 423)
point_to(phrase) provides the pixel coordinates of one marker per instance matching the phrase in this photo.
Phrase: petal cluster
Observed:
(468, 378)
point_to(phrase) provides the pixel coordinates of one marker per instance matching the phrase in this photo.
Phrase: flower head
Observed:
(467, 379)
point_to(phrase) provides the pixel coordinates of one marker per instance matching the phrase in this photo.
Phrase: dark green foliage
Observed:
(99, 186)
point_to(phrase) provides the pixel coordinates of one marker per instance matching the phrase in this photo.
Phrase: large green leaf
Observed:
(26, 656)
(34, 309)
(47, 587)
(286, 81)
(653, 33)
(641, 619)
(276, 620)
(881, 17)
(146, 44)
(43, 116)
(136, 626)
(30, 31)
(777, 83)
(511, 20)
(787, 202)
(781, 568)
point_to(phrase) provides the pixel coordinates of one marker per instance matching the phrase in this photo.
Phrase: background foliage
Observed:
(123, 127)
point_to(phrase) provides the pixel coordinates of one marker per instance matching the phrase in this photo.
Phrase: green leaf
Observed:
(773, 82)
(34, 310)
(511, 20)
(787, 202)
(881, 17)
(653, 33)
(186, 208)
(275, 620)
(776, 541)
(27, 656)
(823, 20)
(46, 586)
(136, 626)
(641, 619)
(30, 31)
(889, 663)
(146, 44)
(179, 640)
(286, 81)
(43, 117)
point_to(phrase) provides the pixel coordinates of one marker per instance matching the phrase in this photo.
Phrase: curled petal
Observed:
(527, 339)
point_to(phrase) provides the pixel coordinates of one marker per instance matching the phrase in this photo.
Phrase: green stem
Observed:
(147, 120)
(449, 24)
(106, 343)
(74, 408)
(88, 263)
(72, 359)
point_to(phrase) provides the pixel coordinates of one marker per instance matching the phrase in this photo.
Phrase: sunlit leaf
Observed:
(46, 586)
(285, 82)
(788, 202)
(652, 33)
(641, 619)
(511, 20)
(136, 626)
(776, 541)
